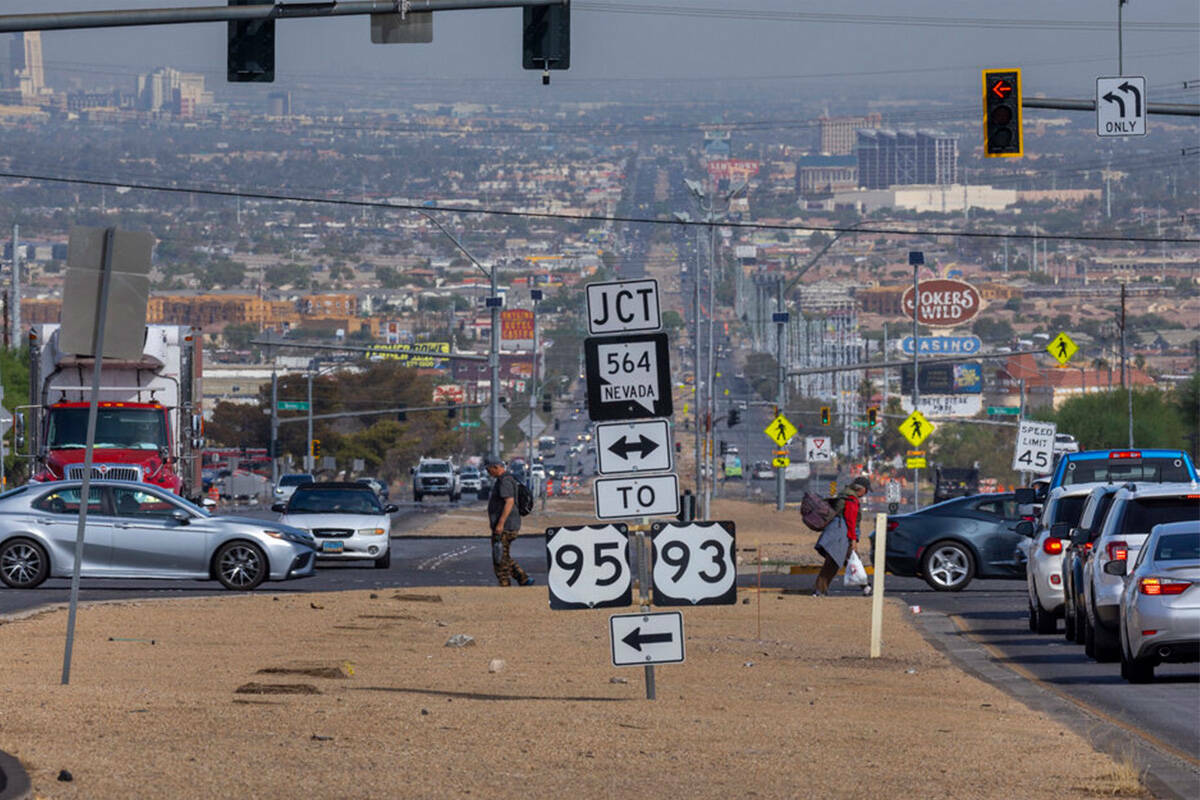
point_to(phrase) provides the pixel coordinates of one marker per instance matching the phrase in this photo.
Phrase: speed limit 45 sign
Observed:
(588, 566)
(693, 563)
(1035, 447)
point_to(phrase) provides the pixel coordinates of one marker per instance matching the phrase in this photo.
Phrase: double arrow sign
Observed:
(633, 446)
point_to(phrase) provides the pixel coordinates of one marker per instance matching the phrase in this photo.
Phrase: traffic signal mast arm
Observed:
(380, 412)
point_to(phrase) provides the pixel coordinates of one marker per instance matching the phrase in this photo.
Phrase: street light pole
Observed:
(916, 258)
(308, 456)
(534, 295)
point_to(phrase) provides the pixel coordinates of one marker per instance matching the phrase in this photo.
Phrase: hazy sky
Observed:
(616, 45)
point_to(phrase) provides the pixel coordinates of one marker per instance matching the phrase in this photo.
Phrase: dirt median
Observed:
(388, 710)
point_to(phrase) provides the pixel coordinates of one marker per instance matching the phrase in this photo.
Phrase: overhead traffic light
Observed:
(872, 417)
(546, 40)
(451, 411)
(1002, 113)
(547, 406)
(735, 416)
(251, 51)
(825, 416)
(724, 447)
(402, 414)
(316, 453)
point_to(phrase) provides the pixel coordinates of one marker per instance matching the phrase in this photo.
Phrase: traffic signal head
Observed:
(402, 414)
(825, 416)
(546, 40)
(872, 417)
(547, 406)
(724, 447)
(735, 416)
(451, 411)
(251, 51)
(316, 453)
(1002, 113)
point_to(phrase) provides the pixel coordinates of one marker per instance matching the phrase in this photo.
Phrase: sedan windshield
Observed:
(334, 501)
(1178, 547)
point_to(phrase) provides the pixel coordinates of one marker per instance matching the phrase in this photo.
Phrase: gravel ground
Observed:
(390, 711)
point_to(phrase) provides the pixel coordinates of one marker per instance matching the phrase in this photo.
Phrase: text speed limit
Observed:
(694, 563)
(588, 566)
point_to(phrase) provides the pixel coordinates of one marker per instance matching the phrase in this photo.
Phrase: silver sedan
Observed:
(135, 530)
(1160, 607)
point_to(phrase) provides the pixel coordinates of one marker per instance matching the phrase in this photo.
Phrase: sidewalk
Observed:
(389, 711)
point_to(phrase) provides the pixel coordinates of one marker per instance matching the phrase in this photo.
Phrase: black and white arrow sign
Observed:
(1121, 106)
(639, 639)
(633, 446)
(628, 376)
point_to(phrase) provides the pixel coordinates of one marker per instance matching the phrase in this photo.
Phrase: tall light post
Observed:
(493, 302)
(916, 258)
(535, 295)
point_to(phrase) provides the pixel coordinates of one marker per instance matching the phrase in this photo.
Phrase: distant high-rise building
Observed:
(167, 89)
(24, 70)
(837, 133)
(279, 104)
(900, 158)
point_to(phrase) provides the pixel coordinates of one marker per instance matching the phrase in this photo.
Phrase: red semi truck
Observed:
(148, 423)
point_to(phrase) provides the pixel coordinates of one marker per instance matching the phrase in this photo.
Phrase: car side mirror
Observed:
(1060, 530)
(1025, 528)
(1079, 537)
(279, 508)
(391, 508)
(1115, 567)
(1025, 496)
(181, 516)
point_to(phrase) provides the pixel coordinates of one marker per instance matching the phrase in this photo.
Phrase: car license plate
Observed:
(331, 547)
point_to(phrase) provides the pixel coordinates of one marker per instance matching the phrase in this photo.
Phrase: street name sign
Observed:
(623, 307)
(693, 563)
(1002, 411)
(1121, 106)
(649, 638)
(1035, 447)
(641, 496)
(588, 567)
(1062, 348)
(780, 430)
(643, 446)
(628, 376)
(818, 448)
(916, 428)
(293, 405)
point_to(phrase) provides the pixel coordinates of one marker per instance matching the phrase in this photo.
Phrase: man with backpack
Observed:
(504, 521)
(848, 515)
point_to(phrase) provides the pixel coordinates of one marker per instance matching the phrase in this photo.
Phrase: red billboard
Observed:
(944, 303)
(516, 323)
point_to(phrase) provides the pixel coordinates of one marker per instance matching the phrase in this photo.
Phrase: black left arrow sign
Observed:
(635, 638)
(644, 447)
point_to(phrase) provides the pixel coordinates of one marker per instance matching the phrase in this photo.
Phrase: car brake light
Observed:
(1053, 546)
(1125, 454)
(1162, 586)
(1117, 551)
(1087, 546)
(892, 525)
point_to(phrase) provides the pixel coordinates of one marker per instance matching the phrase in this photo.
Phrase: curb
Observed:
(14, 781)
(1163, 773)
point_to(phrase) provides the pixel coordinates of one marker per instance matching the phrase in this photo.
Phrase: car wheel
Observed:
(23, 563)
(1080, 621)
(240, 566)
(386, 561)
(1135, 670)
(1032, 616)
(1089, 636)
(948, 566)
(1068, 619)
(1043, 621)
(1105, 646)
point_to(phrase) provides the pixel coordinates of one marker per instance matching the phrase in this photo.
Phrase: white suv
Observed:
(1044, 552)
(436, 476)
(1136, 508)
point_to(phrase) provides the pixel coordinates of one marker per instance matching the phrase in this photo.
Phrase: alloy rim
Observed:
(240, 566)
(948, 566)
(21, 563)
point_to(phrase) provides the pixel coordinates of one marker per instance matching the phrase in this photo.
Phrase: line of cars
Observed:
(1109, 543)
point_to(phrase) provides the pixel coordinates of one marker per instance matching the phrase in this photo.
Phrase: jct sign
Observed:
(944, 303)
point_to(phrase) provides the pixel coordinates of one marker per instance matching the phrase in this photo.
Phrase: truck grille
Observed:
(332, 533)
(75, 473)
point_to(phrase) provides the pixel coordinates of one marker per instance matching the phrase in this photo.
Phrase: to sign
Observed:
(588, 566)
(1121, 106)
(651, 496)
(1062, 348)
(621, 307)
(693, 563)
(818, 448)
(633, 446)
(628, 376)
(944, 303)
(780, 430)
(1035, 447)
(639, 639)
(916, 428)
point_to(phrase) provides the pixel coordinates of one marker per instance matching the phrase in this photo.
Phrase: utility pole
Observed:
(274, 419)
(1125, 372)
(697, 395)
(781, 391)
(711, 487)
(309, 464)
(15, 314)
(916, 258)
(535, 295)
(1121, 51)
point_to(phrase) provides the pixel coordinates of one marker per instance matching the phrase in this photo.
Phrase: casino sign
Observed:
(944, 303)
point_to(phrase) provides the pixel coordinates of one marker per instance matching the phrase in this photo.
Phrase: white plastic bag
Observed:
(856, 575)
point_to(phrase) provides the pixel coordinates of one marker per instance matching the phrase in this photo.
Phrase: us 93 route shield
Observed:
(628, 377)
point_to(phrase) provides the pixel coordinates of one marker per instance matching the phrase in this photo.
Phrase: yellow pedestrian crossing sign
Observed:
(916, 428)
(780, 430)
(1062, 348)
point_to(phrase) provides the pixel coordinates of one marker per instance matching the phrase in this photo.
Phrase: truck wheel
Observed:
(23, 563)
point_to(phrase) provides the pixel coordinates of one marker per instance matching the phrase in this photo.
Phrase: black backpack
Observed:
(524, 499)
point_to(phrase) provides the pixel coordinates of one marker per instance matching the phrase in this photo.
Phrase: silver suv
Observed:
(1135, 510)
(436, 476)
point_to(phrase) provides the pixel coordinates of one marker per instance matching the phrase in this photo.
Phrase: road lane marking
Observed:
(435, 562)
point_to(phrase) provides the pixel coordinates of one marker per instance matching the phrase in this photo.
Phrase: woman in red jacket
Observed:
(851, 515)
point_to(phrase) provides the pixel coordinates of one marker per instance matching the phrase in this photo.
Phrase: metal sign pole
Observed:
(85, 489)
(644, 590)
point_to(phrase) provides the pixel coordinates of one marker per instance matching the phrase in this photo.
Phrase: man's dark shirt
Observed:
(504, 487)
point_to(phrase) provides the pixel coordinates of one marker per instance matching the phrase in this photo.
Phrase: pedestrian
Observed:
(504, 523)
(832, 545)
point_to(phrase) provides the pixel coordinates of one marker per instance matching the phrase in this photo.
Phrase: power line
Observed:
(495, 212)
